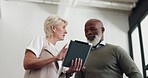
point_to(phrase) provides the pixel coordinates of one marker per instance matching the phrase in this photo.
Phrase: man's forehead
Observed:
(93, 24)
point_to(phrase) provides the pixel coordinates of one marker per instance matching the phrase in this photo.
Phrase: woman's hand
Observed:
(62, 53)
(76, 66)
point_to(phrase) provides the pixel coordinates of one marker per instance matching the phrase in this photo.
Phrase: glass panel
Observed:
(136, 49)
(144, 28)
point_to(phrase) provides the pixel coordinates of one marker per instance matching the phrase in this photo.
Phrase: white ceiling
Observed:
(124, 5)
(119, 5)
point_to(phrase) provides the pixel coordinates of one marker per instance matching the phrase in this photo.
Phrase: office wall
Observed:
(21, 21)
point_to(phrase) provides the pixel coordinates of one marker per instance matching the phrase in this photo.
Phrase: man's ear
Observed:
(53, 28)
(103, 29)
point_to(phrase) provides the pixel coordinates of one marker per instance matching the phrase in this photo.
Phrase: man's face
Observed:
(93, 30)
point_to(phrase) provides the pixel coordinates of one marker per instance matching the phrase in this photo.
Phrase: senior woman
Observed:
(41, 55)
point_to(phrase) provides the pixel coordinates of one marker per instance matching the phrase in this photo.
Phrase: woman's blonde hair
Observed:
(52, 20)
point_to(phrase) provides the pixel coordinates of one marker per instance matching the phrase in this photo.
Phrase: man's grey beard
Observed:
(95, 41)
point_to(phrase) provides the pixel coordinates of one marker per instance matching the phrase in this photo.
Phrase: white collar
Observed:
(53, 46)
(103, 42)
(99, 45)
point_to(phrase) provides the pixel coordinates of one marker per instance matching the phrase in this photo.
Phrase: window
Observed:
(139, 45)
(136, 49)
(144, 27)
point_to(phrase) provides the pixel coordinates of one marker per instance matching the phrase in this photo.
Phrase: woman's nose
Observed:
(65, 32)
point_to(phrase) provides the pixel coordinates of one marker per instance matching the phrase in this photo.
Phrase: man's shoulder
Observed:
(112, 45)
(115, 47)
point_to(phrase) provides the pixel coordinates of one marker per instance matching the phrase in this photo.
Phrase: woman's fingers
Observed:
(72, 63)
(79, 64)
(62, 53)
(76, 64)
(65, 46)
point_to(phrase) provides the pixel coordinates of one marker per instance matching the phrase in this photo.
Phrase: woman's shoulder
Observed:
(40, 37)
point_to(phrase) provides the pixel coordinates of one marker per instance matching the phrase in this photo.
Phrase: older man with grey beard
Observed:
(105, 60)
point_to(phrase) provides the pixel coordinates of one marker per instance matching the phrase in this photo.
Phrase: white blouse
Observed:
(36, 45)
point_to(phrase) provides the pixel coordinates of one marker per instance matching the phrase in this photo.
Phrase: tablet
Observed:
(76, 49)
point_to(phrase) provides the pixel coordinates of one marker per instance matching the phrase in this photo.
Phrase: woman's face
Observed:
(60, 31)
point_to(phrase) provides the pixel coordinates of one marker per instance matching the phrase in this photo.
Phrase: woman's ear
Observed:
(53, 28)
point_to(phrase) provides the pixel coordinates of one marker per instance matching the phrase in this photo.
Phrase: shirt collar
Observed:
(99, 45)
(52, 45)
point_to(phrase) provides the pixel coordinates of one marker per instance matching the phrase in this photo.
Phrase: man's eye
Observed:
(86, 30)
(93, 29)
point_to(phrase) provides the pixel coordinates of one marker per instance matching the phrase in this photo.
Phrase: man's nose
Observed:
(89, 32)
